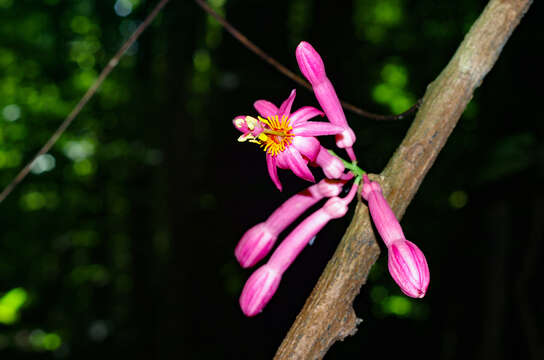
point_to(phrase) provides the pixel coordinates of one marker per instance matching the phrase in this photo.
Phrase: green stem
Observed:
(351, 166)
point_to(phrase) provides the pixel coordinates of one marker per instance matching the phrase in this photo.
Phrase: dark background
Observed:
(120, 242)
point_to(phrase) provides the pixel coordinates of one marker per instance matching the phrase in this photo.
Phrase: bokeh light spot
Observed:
(11, 112)
(43, 163)
(458, 199)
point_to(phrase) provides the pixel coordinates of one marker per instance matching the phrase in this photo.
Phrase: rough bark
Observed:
(328, 315)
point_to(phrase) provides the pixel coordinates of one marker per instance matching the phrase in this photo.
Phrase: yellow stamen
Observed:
(277, 134)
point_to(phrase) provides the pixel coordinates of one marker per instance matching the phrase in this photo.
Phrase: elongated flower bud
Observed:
(263, 283)
(407, 264)
(312, 67)
(259, 289)
(257, 241)
(408, 267)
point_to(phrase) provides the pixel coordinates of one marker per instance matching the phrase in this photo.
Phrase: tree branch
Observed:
(328, 315)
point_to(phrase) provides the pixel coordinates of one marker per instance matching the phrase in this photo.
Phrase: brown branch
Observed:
(85, 99)
(291, 75)
(328, 315)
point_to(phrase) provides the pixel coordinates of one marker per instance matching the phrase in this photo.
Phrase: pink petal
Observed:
(303, 114)
(296, 163)
(265, 108)
(307, 146)
(273, 170)
(314, 128)
(285, 108)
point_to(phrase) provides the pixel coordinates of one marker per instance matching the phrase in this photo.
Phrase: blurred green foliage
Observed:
(119, 242)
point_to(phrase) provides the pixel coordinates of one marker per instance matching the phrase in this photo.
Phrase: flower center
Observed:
(276, 136)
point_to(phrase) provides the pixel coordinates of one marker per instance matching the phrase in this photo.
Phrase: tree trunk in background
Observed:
(177, 315)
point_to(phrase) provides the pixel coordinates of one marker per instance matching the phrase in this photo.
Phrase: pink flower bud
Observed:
(259, 289)
(408, 267)
(254, 245)
(257, 241)
(312, 67)
(310, 63)
(293, 244)
(407, 264)
(262, 285)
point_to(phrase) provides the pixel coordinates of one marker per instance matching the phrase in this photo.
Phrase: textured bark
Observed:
(328, 315)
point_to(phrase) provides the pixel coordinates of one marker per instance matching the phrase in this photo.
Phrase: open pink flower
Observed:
(288, 138)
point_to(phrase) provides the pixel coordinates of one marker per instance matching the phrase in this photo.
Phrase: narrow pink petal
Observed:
(285, 108)
(314, 128)
(307, 146)
(273, 170)
(303, 114)
(265, 108)
(296, 163)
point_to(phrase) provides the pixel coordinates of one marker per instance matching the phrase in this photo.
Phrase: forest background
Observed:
(120, 241)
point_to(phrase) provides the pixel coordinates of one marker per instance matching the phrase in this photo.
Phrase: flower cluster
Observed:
(289, 141)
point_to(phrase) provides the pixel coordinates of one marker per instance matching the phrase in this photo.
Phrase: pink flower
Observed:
(407, 264)
(264, 282)
(257, 241)
(312, 67)
(288, 138)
